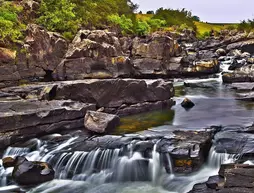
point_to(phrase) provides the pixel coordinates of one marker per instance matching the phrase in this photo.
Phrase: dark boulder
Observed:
(29, 173)
(236, 64)
(187, 103)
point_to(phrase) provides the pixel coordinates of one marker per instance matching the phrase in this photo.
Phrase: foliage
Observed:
(156, 24)
(10, 27)
(58, 15)
(123, 23)
(175, 17)
(150, 12)
(246, 25)
(142, 28)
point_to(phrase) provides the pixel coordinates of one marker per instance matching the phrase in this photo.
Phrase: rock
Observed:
(221, 52)
(245, 55)
(243, 74)
(116, 96)
(20, 120)
(215, 182)
(101, 122)
(94, 54)
(187, 103)
(236, 53)
(202, 67)
(244, 46)
(27, 173)
(34, 60)
(119, 96)
(151, 56)
(235, 65)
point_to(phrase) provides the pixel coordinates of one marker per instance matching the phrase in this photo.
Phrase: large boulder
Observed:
(27, 173)
(94, 54)
(99, 122)
(151, 55)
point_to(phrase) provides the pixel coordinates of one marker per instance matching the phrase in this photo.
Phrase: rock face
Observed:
(28, 173)
(94, 54)
(26, 119)
(101, 122)
(36, 59)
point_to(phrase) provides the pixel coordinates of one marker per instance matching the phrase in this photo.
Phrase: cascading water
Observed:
(108, 166)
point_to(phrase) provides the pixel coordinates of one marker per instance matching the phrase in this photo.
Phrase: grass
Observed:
(207, 27)
(202, 27)
(144, 17)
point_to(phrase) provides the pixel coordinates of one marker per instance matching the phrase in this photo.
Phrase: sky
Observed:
(215, 11)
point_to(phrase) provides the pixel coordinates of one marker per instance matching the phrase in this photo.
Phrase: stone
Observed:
(243, 74)
(20, 120)
(27, 173)
(187, 104)
(221, 52)
(99, 122)
(244, 46)
(235, 65)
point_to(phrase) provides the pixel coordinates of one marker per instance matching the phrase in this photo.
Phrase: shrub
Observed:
(10, 27)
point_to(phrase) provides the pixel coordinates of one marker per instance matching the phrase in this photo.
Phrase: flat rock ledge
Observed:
(31, 110)
(21, 120)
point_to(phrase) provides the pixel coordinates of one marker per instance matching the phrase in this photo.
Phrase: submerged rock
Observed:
(187, 104)
(28, 173)
(101, 122)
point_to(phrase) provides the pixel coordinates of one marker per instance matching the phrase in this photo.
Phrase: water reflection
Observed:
(145, 121)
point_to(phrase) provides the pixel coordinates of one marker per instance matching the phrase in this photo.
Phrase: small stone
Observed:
(8, 162)
(187, 104)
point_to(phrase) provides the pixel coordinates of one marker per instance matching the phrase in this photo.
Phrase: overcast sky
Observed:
(226, 11)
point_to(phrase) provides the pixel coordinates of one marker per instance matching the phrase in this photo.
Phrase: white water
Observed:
(117, 169)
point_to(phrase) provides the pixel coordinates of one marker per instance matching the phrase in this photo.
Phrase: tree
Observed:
(10, 27)
(150, 12)
(122, 23)
(58, 15)
(142, 28)
(156, 24)
(195, 18)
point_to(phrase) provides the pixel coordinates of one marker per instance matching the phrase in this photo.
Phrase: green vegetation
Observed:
(10, 27)
(246, 25)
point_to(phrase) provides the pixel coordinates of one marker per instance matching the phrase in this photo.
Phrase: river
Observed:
(118, 170)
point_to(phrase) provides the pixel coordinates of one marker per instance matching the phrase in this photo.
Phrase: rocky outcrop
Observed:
(117, 96)
(20, 120)
(233, 178)
(243, 74)
(35, 60)
(101, 122)
(27, 173)
(94, 54)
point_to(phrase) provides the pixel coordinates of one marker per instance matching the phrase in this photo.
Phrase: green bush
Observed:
(156, 24)
(122, 23)
(142, 28)
(10, 27)
(58, 15)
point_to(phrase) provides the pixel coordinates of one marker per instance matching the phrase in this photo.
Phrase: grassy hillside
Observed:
(207, 27)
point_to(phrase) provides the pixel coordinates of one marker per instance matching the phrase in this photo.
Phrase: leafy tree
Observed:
(122, 23)
(150, 12)
(195, 18)
(142, 28)
(58, 15)
(156, 24)
(10, 27)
